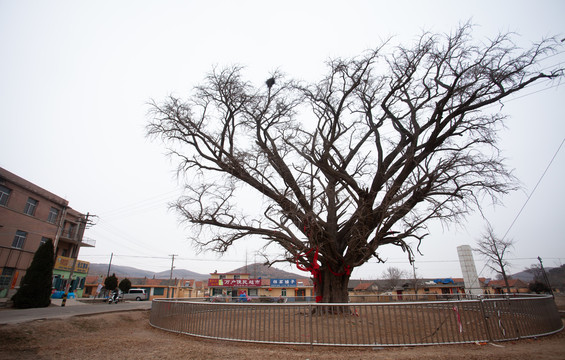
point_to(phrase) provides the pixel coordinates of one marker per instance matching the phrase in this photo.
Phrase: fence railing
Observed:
(362, 324)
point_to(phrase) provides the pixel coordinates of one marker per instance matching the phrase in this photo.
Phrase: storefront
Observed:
(233, 287)
(62, 271)
(282, 287)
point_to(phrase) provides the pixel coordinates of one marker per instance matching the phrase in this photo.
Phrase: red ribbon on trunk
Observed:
(346, 271)
(314, 269)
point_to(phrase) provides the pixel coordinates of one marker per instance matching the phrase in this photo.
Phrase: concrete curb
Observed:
(17, 316)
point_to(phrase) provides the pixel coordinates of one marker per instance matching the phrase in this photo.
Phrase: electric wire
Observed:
(396, 261)
(141, 204)
(534, 189)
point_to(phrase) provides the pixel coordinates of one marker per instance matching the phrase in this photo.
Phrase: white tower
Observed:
(470, 277)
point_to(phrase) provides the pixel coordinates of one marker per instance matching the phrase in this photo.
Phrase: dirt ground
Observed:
(128, 335)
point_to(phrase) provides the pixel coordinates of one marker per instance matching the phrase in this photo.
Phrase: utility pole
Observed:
(108, 275)
(60, 229)
(545, 276)
(110, 264)
(171, 276)
(79, 235)
(415, 280)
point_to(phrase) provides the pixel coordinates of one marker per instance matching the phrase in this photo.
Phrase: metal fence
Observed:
(362, 324)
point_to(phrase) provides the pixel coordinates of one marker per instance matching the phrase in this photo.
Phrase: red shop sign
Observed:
(234, 282)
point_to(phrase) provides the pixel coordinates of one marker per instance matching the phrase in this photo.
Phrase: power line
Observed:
(392, 260)
(535, 187)
(168, 257)
(531, 93)
(552, 55)
(141, 204)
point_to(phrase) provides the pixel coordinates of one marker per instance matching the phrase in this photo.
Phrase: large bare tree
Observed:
(366, 157)
(495, 250)
(392, 277)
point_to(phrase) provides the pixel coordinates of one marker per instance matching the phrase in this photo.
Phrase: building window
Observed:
(43, 240)
(53, 214)
(236, 277)
(6, 277)
(4, 195)
(19, 239)
(216, 291)
(159, 291)
(30, 206)
(71, 231)
(223, 276)
(56, 282)
(283, 292)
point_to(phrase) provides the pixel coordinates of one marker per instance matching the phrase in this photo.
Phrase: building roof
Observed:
(93, 279)
(514, 283)
(15, 179)
(363, 286)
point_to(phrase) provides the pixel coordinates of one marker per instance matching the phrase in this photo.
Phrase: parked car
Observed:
(136, 294)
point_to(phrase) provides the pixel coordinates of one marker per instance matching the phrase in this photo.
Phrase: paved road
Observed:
(72, 308)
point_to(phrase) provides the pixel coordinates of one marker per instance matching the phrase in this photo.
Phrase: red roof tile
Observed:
(515, 283)
(363, 286)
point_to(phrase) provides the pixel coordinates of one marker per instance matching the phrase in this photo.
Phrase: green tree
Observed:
(35, 287)
(111, 282)
(125, 285)
(364, 158)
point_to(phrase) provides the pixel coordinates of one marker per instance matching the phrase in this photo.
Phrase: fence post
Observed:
(485, 319)
(311, 314)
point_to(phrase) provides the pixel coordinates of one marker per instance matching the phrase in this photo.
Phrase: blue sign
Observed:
(283, 282)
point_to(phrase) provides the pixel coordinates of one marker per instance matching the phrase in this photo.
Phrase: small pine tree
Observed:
(35, 287)
(125, 285)
(111, 282)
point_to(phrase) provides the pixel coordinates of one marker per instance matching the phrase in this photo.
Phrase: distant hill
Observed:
(528, 276)
(120, 271)
(256, 270)
(525, 276)
(131, 272)
(555, 275)
(181, 274)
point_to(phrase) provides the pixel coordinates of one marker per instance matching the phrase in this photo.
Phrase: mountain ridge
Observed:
(256, 270)
(131, 272)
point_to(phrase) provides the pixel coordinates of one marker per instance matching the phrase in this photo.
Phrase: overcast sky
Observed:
(76, 77)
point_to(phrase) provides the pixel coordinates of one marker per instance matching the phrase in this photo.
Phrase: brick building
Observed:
(29, 216)
(234, 284)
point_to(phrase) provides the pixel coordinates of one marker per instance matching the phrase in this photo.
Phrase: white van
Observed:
(136, 294)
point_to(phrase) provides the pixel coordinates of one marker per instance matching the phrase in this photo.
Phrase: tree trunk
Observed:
(506, 281)
(331, 288)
